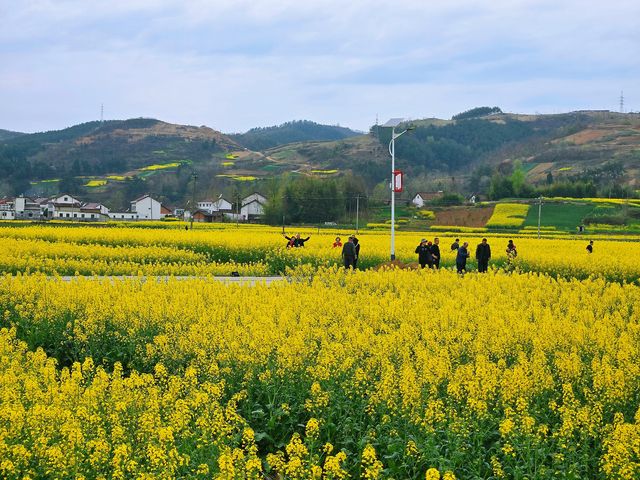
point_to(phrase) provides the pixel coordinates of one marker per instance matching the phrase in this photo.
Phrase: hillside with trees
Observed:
(7, 134)
(482, 152)
(291, 132)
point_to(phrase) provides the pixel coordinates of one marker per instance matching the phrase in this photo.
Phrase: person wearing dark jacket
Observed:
(455, 245)
(461, 258)
(435, 252)
(590, 247)
(483, 255)
(424, 254)
(291, 241)
(349, 254)
(299, 242)
(356, 242)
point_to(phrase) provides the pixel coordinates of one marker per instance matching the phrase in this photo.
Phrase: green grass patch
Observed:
(563, 216)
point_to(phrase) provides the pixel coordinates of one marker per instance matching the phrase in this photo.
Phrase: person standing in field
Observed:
(356, 242)
(299, 242)
(461, 258)
(483, 255)
(435, 252)
(349, 254)
(424, 254)
(590, 247)
(455, 245)
(290, 241)
(337, 243)
(512, 253)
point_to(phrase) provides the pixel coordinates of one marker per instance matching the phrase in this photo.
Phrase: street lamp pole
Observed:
(194, 175)
(392, 152)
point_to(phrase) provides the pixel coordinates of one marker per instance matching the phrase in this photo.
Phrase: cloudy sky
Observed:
(237, 64)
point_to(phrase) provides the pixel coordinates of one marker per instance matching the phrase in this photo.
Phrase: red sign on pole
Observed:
(397, 181)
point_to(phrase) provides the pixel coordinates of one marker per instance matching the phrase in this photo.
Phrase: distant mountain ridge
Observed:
(7, 134)
(263, 138)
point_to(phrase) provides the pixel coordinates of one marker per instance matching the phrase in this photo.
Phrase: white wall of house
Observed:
(418, 201)
(64, 200)
(215, 205)
(20, 204)
(7, 215)
(254, 196)
(123, 216)
(147, 208)
(222, 204)
(251, 209)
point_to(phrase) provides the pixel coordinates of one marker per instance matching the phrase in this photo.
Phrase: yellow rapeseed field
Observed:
(388, 374)
(531, 371)
(260, 250)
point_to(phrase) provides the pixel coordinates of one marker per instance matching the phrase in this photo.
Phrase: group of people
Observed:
(350, 251)
(429, 254)
(295, 241)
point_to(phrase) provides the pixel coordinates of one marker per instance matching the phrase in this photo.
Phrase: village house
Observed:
(421, 198)
(148, 208)
(7, 210)
(252, 207)
(218, 205)
(63, 206)
(207, 216)
(27, 209)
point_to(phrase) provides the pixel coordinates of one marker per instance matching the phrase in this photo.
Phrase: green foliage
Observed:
(7, 134)
(477, 112)
(453, 146)
(290, 132)
(448, 199)
(313, 200)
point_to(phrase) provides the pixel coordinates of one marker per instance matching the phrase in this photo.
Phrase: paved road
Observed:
(228, 280)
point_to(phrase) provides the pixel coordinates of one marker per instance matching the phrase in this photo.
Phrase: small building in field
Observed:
(421, 198)
(251, 210)
(206, 216)
(148, 208)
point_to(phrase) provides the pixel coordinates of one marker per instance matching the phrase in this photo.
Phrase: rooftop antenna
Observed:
(621, 101)
(102, 113)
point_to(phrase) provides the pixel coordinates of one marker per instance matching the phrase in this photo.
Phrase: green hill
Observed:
(112, 161)
(291, 132)
(7, 134)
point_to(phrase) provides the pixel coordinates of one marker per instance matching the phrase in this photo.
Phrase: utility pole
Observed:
(237, 209)
(357, 211)
(539, 214)
(194, 176)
